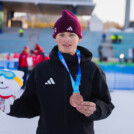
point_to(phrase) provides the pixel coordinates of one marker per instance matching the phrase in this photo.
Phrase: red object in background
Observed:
(46, 58)
(23, 60)
(16, 55)
(40, 56)
(8, 57)
(39, 48)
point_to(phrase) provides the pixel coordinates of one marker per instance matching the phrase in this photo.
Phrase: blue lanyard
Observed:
(75, 84)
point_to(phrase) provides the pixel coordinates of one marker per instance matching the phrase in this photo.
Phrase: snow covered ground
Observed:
(121, 121)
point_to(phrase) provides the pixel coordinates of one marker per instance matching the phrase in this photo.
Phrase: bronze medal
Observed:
(76, 99)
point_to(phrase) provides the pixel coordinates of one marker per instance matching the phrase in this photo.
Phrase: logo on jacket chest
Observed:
(50, 81)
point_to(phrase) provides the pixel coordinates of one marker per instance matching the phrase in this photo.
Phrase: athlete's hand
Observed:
(87, 108)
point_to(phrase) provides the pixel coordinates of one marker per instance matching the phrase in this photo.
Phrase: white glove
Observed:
(5, 104)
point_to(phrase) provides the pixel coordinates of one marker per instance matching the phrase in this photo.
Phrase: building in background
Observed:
(42, 7)
(95, 24)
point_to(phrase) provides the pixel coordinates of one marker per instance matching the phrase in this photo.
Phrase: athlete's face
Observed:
(67, 42)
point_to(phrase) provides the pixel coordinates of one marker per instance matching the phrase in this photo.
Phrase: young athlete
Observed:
(69, 91)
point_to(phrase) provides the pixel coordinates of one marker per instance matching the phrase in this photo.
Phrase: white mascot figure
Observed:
(10, 83)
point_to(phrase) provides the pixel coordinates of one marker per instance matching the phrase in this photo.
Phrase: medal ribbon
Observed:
(75, 84)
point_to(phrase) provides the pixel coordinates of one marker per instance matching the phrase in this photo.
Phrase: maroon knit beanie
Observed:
(67, 23)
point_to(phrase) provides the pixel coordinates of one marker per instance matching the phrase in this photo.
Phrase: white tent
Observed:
(95, 24)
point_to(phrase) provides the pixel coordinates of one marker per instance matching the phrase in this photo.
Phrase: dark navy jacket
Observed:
(48, 91)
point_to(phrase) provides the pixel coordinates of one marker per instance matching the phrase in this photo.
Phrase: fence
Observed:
(12, 64)
(119, 76)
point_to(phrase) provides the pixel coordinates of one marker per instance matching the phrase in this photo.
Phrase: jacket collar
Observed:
(86, 55)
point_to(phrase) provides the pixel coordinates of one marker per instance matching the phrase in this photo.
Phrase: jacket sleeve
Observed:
(27, 106)
(101, 96)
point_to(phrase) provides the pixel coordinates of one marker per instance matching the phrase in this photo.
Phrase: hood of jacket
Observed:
(86, 55)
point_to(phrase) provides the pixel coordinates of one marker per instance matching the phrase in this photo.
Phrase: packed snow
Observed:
(121, 120)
